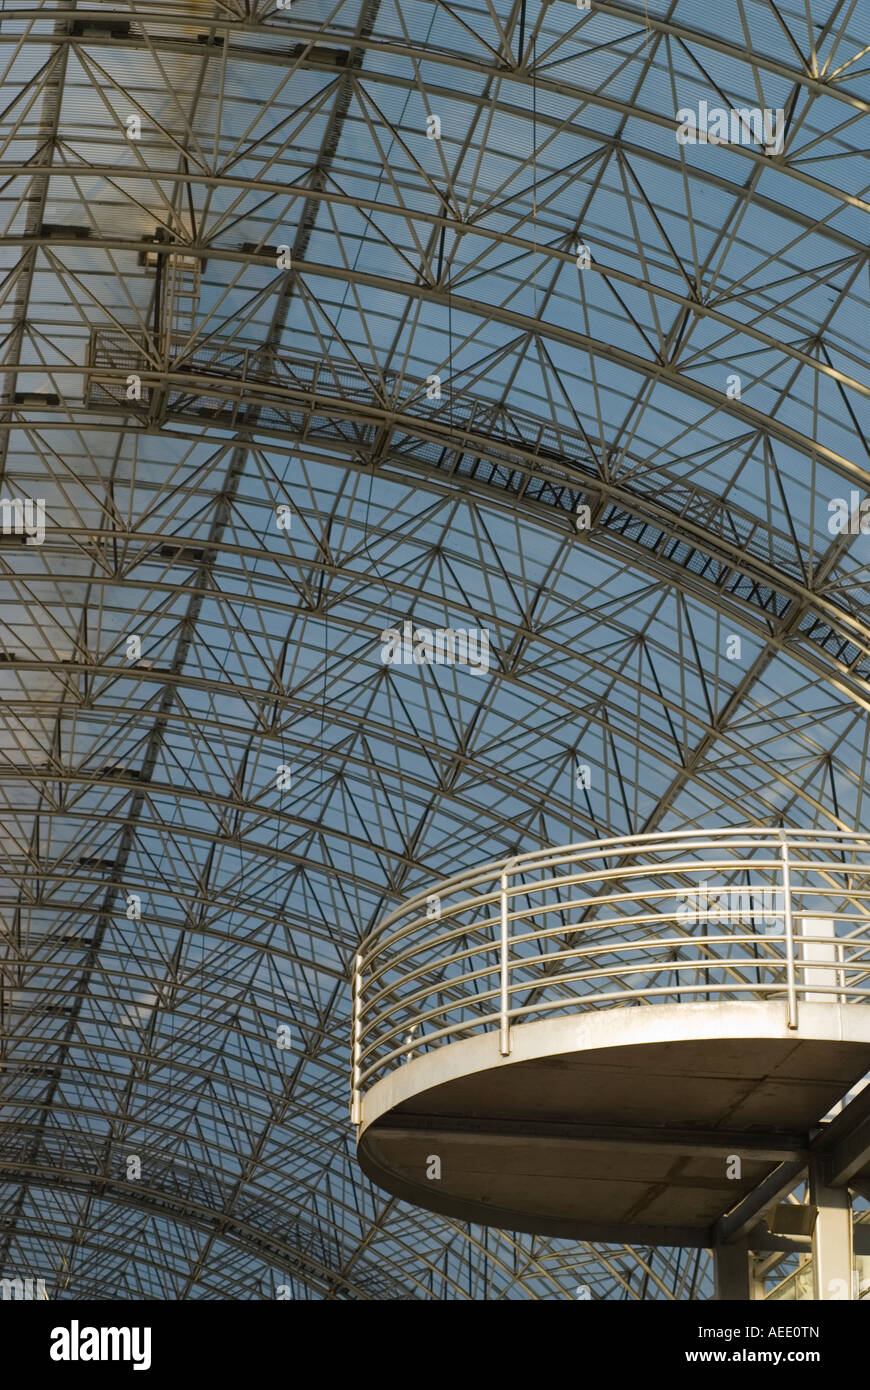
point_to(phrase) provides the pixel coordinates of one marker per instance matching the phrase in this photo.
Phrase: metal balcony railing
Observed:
(688, 916)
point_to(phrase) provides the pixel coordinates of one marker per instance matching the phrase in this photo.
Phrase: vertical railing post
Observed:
(791, 1006)
(504, 1041)
(355, 1098)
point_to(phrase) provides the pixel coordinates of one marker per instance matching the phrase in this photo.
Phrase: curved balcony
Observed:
(585, 1038)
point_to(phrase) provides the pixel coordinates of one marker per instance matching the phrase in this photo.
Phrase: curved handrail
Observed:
(605, 923)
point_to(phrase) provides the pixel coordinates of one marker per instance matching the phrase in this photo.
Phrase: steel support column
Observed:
(832, 1238)
(732, 1272)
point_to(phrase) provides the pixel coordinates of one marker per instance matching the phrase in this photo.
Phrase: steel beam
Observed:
(842, 1147)
(832, 1239)
(771, 1148)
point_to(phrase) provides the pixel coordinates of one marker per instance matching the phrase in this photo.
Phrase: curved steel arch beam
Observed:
(290, 27)
(266, 1246)
(542, 250)
(525, 77)
(454, 436)
(709, 593)
(590, 97)
(756, 421)
(252, 1241)
(107, 1243)
(654, 736)
(254, 910)
(601, 141)
(642, 507)
(664, 24)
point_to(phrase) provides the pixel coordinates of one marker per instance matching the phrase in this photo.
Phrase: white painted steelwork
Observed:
(746, 914)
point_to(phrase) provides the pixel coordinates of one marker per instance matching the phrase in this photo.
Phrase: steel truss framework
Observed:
(702, 647)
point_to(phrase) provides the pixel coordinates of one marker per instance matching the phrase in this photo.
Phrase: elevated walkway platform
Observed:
(620, 1041)
(618, 1126)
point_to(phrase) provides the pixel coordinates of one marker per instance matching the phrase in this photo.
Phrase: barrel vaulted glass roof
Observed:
(250, 473)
